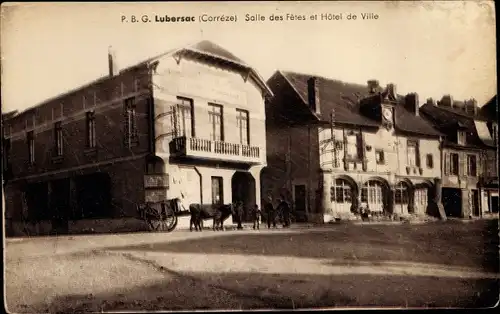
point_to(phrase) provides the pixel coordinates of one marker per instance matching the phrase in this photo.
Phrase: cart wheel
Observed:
(167, 224)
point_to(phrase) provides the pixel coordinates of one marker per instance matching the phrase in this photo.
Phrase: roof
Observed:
(344, 98)
(448, 120)
(409, 122)
(205, 48)
(333, 94)
(490, 110)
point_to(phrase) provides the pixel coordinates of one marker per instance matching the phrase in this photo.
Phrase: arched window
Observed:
(421, 196)
(372, 192)
(341, 191)
(155, 165)
(401, 196)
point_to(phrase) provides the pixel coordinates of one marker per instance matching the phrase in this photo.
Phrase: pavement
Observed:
(300, 267)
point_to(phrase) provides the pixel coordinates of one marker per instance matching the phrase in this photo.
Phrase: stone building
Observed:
(188, 123)
(333, 146)
(470, 158)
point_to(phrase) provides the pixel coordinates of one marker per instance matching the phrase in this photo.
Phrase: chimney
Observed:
(313, 92)
(471, 106)
(411, 103)
(113, 69)
(373, 85)
(446, 101)
(431, 101)
(391, 90)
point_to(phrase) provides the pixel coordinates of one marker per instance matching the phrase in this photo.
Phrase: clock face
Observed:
(387, 113)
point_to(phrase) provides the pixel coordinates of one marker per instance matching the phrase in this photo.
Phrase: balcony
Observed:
(214, 150)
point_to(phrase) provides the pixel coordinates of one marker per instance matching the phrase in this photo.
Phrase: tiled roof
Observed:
(204, 47)
(490, 110)
(344, 97)
(210, 48)
(409, 122)
(448, 120)
(333, 94)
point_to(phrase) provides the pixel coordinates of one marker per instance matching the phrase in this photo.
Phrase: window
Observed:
(341, 192)
(217, 191)
(429, 161)
(216, 122)
(31, 147)
(421, 197)
(185, 117)
(91, 137)
(354, 146)
(412, 152)
(461, 138)
(379, 157)
(454, 164)
(243, 127)
(471, 165)
(130, 122)
(401, 195)
(58, 139)
(371, 193)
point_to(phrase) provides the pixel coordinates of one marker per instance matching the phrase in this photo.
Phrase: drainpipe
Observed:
(201, 184)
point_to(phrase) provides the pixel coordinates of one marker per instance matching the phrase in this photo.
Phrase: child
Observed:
(256, 217)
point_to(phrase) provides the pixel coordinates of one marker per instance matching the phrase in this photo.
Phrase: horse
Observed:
(218, 212)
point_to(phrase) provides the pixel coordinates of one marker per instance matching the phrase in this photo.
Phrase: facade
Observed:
(188, 123)
(470, 157)
(333, 146)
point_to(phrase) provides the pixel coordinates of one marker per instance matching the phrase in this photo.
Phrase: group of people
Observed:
(282, 210)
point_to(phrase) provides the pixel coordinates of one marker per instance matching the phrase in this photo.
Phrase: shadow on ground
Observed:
(259, 291)
(473, 244)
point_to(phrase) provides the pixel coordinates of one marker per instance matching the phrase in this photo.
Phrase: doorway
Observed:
(494, 204)
(300, 202)
(243, 189)
(452, 202)
(475, 203)
(61, 205)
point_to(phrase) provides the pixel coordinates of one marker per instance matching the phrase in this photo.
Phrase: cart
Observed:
(161, 216)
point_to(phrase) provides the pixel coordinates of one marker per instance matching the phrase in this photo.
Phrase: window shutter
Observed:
(446, 163)
(417, 153)
(462, 162)
(359, 145)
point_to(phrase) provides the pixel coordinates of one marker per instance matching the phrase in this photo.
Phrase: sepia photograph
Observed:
(267, 155)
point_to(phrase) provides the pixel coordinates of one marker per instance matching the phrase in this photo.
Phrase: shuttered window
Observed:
(185, 117)
(130, 122)
(471, 165)
(455, 164)
(58, 134)
(215, 118)
(31, 147)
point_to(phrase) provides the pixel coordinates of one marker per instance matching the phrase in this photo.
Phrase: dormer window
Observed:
(461, 138)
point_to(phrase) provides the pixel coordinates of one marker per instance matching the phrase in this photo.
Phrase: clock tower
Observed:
(389, 100)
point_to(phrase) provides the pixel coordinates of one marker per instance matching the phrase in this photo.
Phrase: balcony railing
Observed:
(215, 150)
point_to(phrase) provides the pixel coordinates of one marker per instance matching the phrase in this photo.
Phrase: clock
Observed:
(387, 113)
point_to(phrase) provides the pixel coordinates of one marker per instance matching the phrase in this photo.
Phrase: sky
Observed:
(432, 48)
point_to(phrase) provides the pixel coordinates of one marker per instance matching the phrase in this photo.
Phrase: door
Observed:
(217, 191)
(494, 204)
(60, 201)
(475, 203)
(300, 203)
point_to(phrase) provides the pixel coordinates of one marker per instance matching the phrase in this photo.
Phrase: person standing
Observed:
(270, 213)
(256, 217)
(284, 208)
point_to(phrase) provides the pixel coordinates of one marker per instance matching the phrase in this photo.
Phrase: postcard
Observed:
(181, 156)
